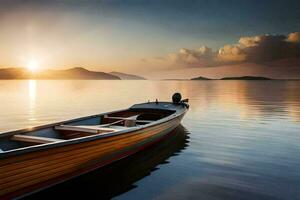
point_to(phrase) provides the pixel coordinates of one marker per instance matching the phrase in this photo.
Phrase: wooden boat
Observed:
(101, 183)
(36, 158)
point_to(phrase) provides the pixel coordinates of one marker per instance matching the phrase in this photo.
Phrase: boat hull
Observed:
(25, 173)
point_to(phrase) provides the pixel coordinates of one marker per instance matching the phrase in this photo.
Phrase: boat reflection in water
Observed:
(119, 177)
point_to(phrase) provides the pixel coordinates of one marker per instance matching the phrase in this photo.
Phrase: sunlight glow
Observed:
(32, 65)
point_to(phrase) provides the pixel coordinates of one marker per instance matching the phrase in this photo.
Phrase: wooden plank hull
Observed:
(22, 174)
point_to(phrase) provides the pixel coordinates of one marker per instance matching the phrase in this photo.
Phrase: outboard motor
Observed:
(176, 98)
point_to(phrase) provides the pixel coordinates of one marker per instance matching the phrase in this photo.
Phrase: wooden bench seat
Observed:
(104, 128)
(34, 139)
(134, 118)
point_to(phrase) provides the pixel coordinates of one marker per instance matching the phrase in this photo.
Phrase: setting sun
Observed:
(32, 65)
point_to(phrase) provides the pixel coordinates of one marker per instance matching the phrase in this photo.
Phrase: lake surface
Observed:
(239, 140)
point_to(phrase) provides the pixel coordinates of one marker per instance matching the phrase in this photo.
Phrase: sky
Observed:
(159, 39)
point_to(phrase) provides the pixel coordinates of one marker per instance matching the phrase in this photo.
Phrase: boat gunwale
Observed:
(28, 149)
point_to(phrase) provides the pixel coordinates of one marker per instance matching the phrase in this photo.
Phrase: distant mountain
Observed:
(124, 76)
(246, 78)
(14, 73)
(73, 73)
(201, 78)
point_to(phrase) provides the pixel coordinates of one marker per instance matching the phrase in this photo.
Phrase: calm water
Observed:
(239, 140)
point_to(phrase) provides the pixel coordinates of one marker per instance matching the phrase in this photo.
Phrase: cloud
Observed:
(294, 37)
(230, 54)
(203, 56)
(270, 48)
(256, 49)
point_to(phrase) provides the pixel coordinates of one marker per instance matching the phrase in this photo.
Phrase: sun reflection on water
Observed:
(32, 99)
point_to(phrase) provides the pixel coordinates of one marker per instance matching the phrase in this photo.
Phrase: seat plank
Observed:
(88, 129)
(122, 118)
(34, 139)
(134, 117)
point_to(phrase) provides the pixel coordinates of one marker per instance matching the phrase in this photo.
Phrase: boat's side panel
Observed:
(28, 171)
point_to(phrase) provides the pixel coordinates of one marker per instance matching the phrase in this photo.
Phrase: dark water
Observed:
(239, 140)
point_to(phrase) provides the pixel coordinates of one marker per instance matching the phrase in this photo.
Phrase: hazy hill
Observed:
(201, 78)
(124, 76)
(73, 73)
(14, 73)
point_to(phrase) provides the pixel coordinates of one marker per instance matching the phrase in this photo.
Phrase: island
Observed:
(246, 78)
(201, 78)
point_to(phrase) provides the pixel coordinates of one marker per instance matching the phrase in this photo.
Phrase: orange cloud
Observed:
(231, 53)
(294, 37)
(202, 56)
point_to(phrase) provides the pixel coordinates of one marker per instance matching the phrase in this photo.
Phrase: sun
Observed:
(32, 65)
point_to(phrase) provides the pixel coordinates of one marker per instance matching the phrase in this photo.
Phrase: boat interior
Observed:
(77, 128)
